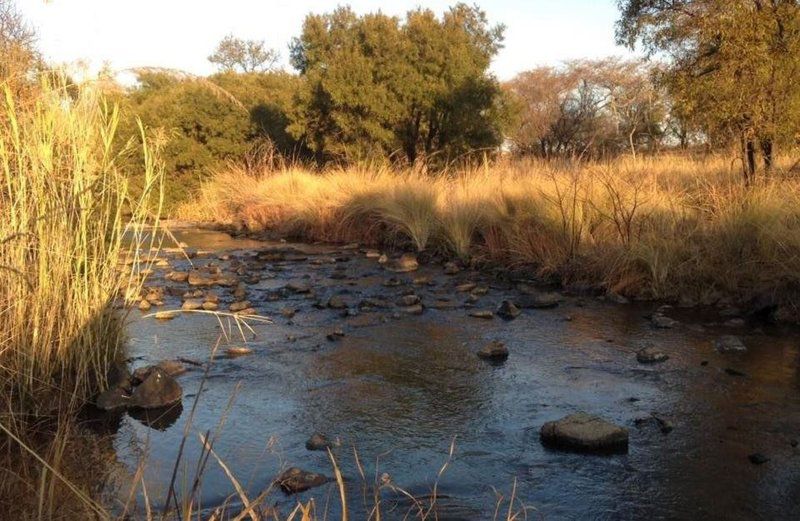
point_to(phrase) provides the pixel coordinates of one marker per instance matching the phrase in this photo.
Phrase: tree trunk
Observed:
(748, 159)
(766, 151)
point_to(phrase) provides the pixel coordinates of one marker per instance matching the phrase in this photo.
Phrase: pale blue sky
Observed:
(182, 33)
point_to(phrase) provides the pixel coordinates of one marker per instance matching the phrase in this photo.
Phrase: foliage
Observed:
(733, 65)
(246, 56)
(206, 122)
(595, 108)
(375, 86)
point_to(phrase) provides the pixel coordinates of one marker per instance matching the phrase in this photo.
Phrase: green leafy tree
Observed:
(374, 86)
(733, 65)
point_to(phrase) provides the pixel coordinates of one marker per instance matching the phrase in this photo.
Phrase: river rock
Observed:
(294, 480)
(508, 311)
(177, 276)
(144, 305)
(585, 433)
(298, 287)
(406, 263)
(319, 441)
(494, 350)
(238, 351)
(192, 304)
(166, 315)
(196, 278)
(416, 309)
(408, 300)
(158, 389)
(337, 302)
(288, 312)
(661, 321)
(451, 268)
(482, 313)
(392, 282)
(240, 306)
(210, 305)
(729, 344)
(467, 286)
(651, 355)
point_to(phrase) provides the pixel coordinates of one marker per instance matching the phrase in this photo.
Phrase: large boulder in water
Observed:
(584, 432)
(158, 389)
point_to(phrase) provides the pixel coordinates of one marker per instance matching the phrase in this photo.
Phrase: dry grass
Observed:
(663, 227)
(65, 208)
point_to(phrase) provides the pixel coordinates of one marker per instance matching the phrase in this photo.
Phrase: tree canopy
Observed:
(376, 85)
(733, 65)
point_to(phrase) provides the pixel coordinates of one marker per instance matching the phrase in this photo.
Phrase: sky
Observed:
(180, 34)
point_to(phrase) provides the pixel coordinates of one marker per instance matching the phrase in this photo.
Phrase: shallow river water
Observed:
(399, 390)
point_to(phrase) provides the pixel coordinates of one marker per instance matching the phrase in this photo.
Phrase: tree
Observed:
(18, 53)
(733, 65)
(587, 108)
(244, 55)
(375, 86)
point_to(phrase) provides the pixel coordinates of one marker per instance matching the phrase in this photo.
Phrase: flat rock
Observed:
(651, 355)
(408, 300)
(294, 480)
(585, 433)
(240, 306)
(494, 350)
(166, 315)
(406, 263)
(238, 351)
(482, 313)
(661, 321)
(451, 268)
(416, 309)
(192, 304)
(729, 344)
(158, 389)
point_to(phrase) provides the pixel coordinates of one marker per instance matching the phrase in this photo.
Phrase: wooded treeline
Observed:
(719, 74)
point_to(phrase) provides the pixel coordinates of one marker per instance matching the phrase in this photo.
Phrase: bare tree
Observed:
(234, 54)
(17, 42)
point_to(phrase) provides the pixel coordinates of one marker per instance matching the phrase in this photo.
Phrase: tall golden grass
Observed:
(66, 209)
(659, 227)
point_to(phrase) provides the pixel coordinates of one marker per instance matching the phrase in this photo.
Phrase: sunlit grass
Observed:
(66, 209)
(658, 227)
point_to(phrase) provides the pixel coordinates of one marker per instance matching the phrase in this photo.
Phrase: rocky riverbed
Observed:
(597, 409)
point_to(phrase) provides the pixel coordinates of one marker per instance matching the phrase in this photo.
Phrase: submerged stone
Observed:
(494, 350)
(319, 441)
(485, 314)
(651, 355)
(584, 432)
(508, 311)
(538, 300)
(729, 344)
(406, 263)
(294, 480)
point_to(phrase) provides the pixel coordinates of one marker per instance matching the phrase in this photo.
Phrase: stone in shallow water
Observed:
(508, 311)
(166, 315)
(238, 351)
(408, 300)
(494, 350)
(651, 355)
(584, 432)
(451, 268)
(192, 304)
(240, 306)
(319, 441)
(486, 314)
(158, 389)
(729, 344)
(404, 264)
(294, 480)
(416, 309)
